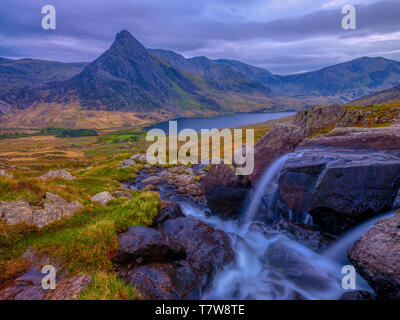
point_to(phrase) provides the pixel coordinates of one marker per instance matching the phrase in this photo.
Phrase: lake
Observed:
(231, 121)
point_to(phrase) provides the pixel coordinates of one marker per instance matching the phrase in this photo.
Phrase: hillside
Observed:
(29, 72)
(389, 96)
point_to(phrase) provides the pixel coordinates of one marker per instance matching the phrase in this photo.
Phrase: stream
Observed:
(269, 265)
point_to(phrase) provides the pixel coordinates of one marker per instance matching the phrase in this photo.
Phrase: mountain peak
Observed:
(126, 40)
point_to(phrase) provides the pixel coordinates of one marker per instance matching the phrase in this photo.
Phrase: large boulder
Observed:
(339, 189)
(164, 271)
(141, 245)
(224, 190)
(207, 249)
(164, 281)
(376, 257)
(318, 118)
(280, 140)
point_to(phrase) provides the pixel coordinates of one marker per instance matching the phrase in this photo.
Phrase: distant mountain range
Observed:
(130, 78)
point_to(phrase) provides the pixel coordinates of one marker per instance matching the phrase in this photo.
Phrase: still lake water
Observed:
(232, 121)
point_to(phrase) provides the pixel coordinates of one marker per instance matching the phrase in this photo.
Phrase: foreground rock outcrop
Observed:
(318, 118)
(376, 257)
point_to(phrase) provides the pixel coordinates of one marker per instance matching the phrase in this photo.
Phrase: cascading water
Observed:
(269, 265)
(338, 251)
(269, 177)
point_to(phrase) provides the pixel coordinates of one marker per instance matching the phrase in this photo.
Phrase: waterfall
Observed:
(338, 251)
(269, 265)
(269, 176)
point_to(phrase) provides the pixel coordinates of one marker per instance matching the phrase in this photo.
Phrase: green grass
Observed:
(107, 286)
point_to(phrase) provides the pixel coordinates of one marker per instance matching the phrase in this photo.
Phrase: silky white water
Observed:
(268, 265)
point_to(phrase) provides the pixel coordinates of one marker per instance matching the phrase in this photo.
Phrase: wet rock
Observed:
(376, 257)
(339, 189)
(122, 194)
(280, 140)
(141, 245)
(169, 210)
(356, 295)
(318, 118)
(207, 249)
(55, 208)
(58, 174)
(225, 191)
(307, 235)
(5, 174)
(127, 163)
(16, 212)
(165, 281)
(102, 198)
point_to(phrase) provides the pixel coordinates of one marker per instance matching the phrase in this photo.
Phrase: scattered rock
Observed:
(141, 157)
(122, 194)
(5, 174)
(376, 257)
(57, 174)
(127, 163)
(141, 245)
(102, 198)
(225, 191)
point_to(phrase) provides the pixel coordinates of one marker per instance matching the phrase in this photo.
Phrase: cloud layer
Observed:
(282, 36)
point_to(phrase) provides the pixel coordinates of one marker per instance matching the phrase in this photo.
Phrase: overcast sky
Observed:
(283, 36)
